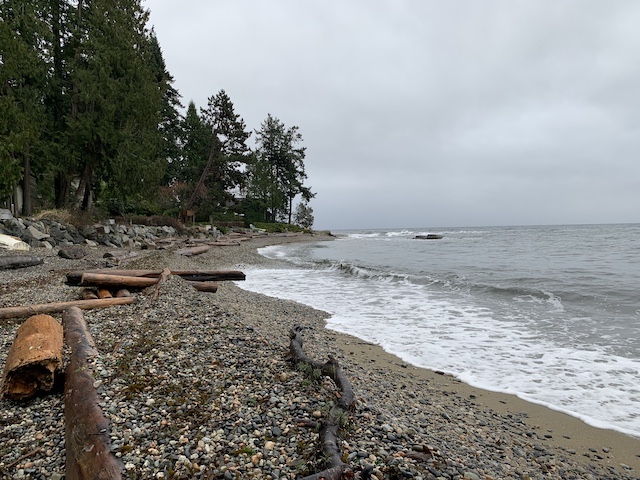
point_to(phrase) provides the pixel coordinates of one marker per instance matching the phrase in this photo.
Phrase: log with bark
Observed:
(102, 280)
(75, 278)
(34, 359)
(331, 425)
(19, 261)
(26, 310)
(87, 438)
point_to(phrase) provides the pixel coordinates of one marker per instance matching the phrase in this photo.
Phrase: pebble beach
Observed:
(199, 385)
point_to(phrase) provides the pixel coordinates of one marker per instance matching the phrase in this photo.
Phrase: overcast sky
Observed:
(424, 113)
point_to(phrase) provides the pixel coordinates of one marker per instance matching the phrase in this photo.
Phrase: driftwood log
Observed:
(102, 280)
(191, 251)
(204, 286)
(88, 294)
(25, 311)
(121, 254)
(75, 278)
(19, 261)
(34, 359)
(87, 437)
(331, 425)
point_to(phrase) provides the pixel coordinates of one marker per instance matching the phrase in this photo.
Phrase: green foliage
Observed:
(88, 109)
(277, 175)
(304, 215)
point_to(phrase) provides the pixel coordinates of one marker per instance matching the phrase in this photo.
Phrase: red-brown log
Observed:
(87, 442)
(75, 278)
(104, 293)
(25, 311)
(101, 279)
(34, 359)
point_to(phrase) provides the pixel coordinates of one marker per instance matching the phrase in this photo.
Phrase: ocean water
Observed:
(548, 313)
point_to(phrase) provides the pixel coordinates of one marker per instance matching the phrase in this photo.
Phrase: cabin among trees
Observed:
(90, 120)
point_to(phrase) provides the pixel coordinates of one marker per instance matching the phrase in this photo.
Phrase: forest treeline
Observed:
(89, 118)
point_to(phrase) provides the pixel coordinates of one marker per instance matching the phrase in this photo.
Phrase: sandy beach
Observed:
(222, 400)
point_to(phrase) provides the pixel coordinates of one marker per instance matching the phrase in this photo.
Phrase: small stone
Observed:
(317, 414)
(269, 445)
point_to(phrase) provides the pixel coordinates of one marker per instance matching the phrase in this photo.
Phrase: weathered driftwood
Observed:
(204, 286)
(123, 293)
(102, 280)
(331, 425)
(24, 311)
(189, 252)
(75, 278)
(13, 243)
(34, 359)
(19, 261)
(88, 450)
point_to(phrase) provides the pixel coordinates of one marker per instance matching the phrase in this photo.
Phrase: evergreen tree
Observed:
(116, 101)
(195, 143)
(23, 72)
(278, 173)
(229, 151)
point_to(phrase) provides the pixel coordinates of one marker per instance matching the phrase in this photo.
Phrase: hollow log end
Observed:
(27, 381)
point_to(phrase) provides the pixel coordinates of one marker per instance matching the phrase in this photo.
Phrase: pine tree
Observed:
(278, 174)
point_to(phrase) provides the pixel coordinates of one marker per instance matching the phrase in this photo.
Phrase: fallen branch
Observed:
(34, 359)
(56, 307)
(19, 261)
(155, 289)
(86, 428)
(331, 425)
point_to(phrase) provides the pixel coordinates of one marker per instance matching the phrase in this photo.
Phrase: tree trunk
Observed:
(87, 437)
(26, 184)
(35, 358)
(24, 311)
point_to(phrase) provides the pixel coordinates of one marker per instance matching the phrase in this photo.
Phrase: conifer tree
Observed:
(278, 173)
(23, 73)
